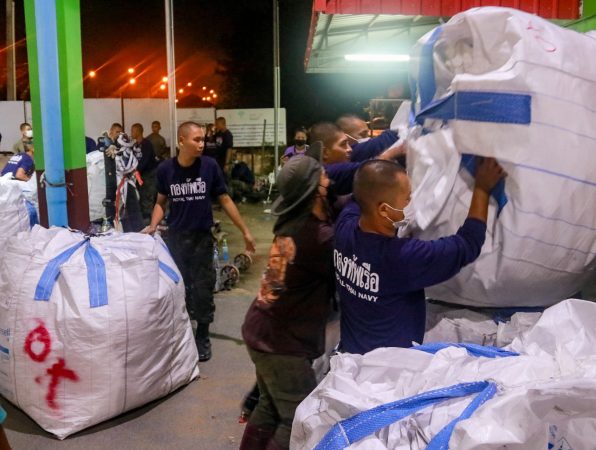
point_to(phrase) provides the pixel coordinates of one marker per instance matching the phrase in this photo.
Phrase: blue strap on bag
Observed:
(346, 432)
(96, 275)
(486, 351)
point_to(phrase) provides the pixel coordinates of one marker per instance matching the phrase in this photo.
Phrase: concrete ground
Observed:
(202, 415)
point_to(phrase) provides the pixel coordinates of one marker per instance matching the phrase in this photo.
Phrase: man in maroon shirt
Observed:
(284, 328)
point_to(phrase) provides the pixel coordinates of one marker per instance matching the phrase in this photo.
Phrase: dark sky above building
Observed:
(226, 45)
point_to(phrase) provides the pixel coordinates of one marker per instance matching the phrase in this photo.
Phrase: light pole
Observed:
(169, 10)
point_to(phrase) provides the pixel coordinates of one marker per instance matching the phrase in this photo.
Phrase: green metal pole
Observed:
(71, 135)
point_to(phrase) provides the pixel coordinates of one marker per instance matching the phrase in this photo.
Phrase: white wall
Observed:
(101, 113)
(12, 114)
(247, 126)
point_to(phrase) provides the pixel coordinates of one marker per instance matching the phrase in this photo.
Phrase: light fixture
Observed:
(92, 74)
(189, 84)
(132, 81)
(131, 70)
(164, 79)
(162, 87)
(364, 57)
(181, 90)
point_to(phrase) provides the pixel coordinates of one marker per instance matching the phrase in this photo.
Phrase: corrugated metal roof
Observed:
(549, 9)
(339, 27)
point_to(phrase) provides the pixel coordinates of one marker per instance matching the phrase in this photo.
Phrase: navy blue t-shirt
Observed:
(374, 146)
(19, 161)
(189, 191)
(380, 280)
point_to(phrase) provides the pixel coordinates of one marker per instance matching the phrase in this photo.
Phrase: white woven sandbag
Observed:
(81, 357)
(96, 184)
(14, 216)
(446, 324)
(510, 85)
(544, 396)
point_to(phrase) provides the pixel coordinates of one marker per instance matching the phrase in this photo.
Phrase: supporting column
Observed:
(55, 78)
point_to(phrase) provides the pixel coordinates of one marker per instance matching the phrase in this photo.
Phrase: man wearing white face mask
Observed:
(26, 138)
(363, 146)
(380, 277)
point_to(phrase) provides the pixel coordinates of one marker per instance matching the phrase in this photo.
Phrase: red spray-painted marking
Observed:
(39, 334)
(57, 371)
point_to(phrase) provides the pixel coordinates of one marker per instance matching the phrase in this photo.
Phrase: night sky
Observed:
(226, 45)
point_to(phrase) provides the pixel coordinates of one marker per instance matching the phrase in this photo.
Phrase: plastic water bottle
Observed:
(215, 257)
(224, 250)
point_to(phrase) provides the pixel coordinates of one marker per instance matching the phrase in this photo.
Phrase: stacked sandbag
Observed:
(14, 213)
(96, 184)
(484, 327)
(90, 326)
(498, 82)
(537, 393)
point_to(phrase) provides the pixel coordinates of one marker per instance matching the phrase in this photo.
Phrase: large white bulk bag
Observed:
(96, 184)
(14, 213)
(497, 82)
(542, 398)
(90, 327)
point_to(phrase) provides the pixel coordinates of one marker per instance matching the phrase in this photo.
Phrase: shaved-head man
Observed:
(380, 278)
(363, 146)
(188, 182)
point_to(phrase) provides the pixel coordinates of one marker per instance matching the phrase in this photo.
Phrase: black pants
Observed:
(284, 381)
(193, 254)
(148, 194)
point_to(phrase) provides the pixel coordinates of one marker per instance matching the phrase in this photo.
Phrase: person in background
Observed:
(21, 165)
(300, 146)
(363, 145)
(284, 328)
(188, 183)
(380, 277)
(210, 144)
(26, 138)
(162, 152)
(147, 168)
(242, 180)
(224, 141)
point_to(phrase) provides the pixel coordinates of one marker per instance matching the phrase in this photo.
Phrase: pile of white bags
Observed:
(90, 327)
(446, 324)
(543, 398)
(497, 82)
(96, 184)
(14, 213)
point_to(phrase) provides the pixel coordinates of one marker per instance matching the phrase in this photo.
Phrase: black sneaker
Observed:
(204, 348)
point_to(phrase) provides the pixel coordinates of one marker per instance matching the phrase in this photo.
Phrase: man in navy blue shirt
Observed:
(188, 183)
(381, 278)
(336, 152)
(21, 165)
(363, 146)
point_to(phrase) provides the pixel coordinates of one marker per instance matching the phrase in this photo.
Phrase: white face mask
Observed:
(29, 134)
(399, 223)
